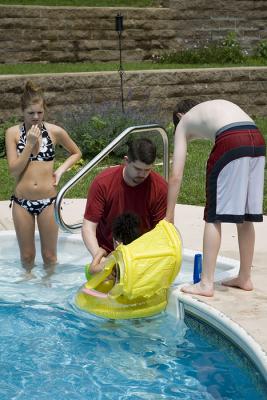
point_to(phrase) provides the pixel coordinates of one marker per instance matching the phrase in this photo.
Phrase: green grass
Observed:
(193, 185)
(22, 69)
(36, 68)
(81, 3)
(6, 182)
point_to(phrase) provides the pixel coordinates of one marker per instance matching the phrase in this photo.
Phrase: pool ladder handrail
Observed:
(99, 157)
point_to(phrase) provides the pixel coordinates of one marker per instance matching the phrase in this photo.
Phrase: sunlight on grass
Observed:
(56, 68)
(81, 3)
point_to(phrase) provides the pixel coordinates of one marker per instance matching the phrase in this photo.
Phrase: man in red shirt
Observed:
(132, 187)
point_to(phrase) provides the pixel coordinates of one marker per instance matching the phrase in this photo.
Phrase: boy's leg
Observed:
(246, 241)
(211, 246)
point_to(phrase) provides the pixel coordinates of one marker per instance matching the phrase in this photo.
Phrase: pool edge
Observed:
(180, 303)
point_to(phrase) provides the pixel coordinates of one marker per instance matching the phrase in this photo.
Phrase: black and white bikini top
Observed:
(47, 150)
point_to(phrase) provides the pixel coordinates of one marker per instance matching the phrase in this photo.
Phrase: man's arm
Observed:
(158, 211)
(98, 263)
(89, 236)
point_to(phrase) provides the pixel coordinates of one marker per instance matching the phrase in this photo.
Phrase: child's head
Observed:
(181, 108)
(125, 228)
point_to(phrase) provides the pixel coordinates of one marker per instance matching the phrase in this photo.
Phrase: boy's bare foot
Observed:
(239, 283)
(199, 289)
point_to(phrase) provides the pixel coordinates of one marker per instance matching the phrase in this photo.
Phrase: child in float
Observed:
(125, 229)
(30, 149)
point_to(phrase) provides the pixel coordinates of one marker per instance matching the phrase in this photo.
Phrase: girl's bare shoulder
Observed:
(54, 129)
(13, 131)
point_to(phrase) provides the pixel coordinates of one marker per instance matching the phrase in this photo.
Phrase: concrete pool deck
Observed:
(247, 309)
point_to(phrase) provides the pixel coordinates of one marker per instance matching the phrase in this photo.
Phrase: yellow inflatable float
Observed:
(145, 269)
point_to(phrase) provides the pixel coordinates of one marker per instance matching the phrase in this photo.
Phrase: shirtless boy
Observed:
(234, 181)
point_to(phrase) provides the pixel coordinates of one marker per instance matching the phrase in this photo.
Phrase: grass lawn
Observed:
(36, 68)
(81, 3)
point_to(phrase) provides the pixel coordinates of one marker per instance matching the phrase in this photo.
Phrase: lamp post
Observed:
(119, 29)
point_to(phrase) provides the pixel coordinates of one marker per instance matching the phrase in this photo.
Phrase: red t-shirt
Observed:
(110, 196)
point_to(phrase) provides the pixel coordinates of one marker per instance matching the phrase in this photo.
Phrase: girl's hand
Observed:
(56, 175)
(33, 135)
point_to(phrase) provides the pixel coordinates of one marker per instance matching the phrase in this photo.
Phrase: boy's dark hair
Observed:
(143, 150)
(182, 107)
(126, 228)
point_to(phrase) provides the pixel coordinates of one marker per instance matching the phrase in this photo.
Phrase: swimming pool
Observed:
(50, 350)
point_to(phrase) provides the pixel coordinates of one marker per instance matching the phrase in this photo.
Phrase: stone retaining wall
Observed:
(65, 34)
(76, 93)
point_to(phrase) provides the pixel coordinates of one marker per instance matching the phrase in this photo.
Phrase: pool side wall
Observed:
(180, 304)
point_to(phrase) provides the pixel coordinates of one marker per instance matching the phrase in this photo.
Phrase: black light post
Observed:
(119, 29)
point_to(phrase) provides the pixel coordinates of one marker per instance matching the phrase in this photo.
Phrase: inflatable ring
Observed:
(147, 267)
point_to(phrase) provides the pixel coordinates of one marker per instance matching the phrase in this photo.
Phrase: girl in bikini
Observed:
(30, 151)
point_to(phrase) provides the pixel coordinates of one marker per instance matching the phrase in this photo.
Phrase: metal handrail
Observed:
(111, 146)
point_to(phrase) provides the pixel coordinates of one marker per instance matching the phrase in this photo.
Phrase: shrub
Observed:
(224, 51)
(93, 130)
(3, 127)
(261, 49)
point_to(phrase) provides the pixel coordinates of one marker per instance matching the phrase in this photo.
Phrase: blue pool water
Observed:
(49, 350)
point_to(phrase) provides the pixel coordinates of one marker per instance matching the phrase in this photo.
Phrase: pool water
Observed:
(49, 350)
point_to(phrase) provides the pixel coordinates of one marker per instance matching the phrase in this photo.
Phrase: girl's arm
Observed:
(18, 163)
(62, 138)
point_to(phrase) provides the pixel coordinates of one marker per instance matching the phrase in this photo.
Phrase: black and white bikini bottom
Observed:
(34, 207)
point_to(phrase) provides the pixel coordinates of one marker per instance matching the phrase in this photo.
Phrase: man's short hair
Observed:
(143, 150)
(126, 228)
(182, 107)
